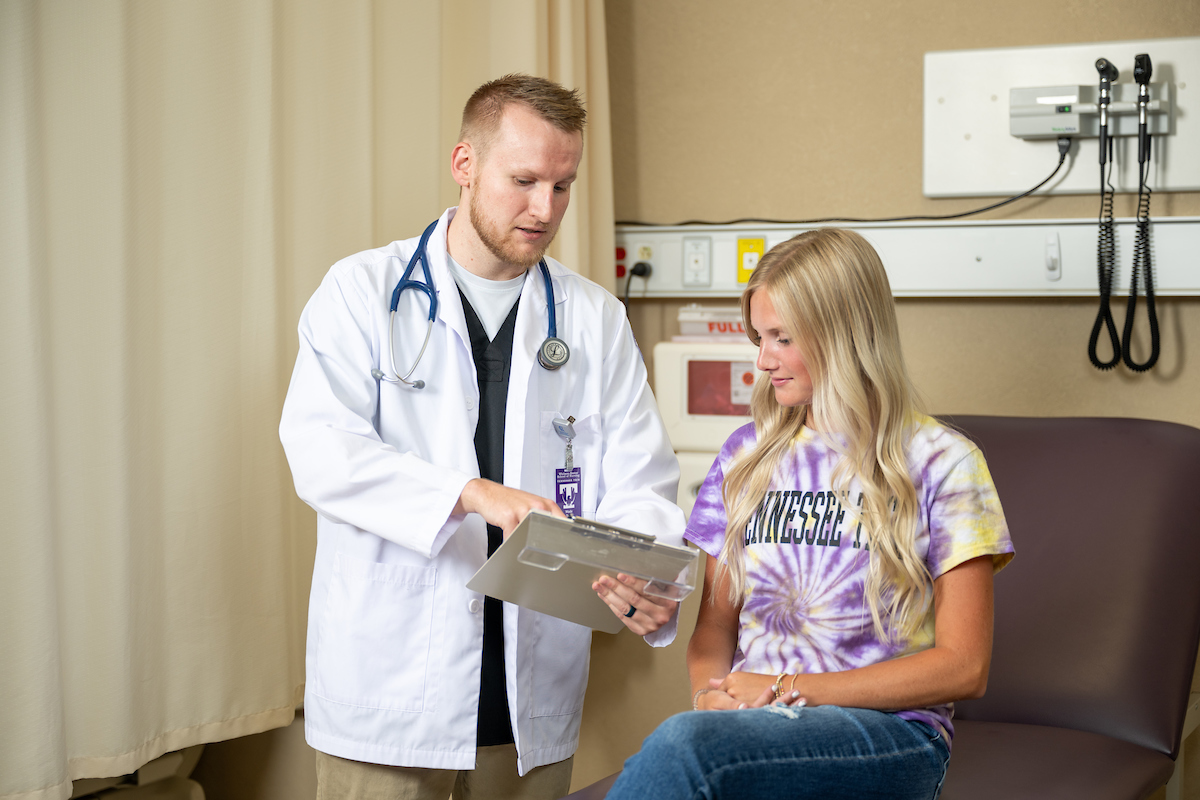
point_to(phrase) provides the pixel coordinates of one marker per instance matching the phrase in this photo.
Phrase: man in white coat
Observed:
(420, 461)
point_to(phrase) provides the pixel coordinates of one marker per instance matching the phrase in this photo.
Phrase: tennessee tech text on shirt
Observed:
(794, 517)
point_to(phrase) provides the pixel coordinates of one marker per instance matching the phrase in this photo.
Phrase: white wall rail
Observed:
(1019, 258)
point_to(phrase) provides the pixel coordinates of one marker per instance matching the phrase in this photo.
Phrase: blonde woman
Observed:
(848, 598)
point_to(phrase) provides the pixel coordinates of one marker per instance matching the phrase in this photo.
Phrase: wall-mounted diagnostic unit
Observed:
(991, 117)
(1048, 112)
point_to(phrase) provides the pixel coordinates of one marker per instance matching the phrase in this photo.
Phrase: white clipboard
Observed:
(549, 564)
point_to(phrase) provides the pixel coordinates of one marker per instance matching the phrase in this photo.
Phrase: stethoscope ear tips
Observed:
(553, 353)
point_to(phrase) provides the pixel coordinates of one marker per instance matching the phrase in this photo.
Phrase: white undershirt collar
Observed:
(491, 300)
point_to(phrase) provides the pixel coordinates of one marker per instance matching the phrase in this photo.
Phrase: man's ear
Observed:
(462, 163)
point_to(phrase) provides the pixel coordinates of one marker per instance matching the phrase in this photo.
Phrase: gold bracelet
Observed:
(696, 698)
(792, 685)
(778, 687)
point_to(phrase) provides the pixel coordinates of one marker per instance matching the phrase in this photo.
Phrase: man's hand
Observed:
(641, 613)
(500, 505)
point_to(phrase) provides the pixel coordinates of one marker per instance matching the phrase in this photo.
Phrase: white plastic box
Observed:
(698, 323)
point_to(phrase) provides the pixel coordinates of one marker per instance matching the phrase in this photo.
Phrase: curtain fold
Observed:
(578, 58)
(175, 179)
(30, 666)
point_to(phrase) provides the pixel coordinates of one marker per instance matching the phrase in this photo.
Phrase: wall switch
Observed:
(1053, 257)
(697, 261)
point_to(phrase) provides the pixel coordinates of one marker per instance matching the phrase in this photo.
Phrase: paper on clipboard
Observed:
(549, 563)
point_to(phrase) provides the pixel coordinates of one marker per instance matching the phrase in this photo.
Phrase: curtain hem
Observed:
(130, 761)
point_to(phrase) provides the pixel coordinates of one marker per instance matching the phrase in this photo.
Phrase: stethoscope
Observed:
(551, 355)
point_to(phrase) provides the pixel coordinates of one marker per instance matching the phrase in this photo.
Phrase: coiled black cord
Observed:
(1105, 262)
(1142, 267)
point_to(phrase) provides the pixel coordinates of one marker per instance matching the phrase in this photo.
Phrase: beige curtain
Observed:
(175, 178)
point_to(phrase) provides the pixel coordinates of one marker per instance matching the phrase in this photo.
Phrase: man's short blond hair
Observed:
(561, 107)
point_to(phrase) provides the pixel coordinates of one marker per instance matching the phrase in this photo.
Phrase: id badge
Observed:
(568, 491)
(568, 486)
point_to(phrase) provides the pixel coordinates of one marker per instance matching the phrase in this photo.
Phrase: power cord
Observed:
(1064, 145)
(642, 270)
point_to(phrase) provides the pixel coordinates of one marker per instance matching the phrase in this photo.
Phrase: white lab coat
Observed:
(394, 636)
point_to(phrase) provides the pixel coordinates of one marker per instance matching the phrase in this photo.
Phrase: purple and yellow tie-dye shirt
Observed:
(806, 562)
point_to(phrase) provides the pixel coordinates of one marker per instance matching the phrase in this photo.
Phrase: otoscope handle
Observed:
(1142, 70)
(1108, 74)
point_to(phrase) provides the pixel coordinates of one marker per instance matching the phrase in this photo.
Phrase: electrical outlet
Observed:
(697, 261)
(749, 251)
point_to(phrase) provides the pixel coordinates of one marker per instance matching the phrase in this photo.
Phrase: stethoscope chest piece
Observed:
(553, 353)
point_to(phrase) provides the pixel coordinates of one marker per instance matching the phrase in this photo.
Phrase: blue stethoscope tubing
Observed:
(552, 354)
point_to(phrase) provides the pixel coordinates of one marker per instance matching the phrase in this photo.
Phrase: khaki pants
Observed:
(494, 778)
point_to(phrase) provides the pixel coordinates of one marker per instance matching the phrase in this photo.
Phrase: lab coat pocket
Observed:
(586, 451)
(560, 667)
(375, 635)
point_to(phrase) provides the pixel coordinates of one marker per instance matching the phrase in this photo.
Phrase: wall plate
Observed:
(968, 151)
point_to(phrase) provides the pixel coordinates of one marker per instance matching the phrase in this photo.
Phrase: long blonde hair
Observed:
(832, 296)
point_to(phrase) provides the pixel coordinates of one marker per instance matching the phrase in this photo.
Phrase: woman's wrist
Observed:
(696, 698)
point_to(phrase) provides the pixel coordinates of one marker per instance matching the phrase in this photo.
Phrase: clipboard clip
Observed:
(553, 561)
(598, 530)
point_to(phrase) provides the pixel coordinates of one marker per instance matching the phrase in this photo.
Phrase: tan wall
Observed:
(716, 115)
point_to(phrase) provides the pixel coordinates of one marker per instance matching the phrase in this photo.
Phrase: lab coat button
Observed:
(475, 606)
(470, 404)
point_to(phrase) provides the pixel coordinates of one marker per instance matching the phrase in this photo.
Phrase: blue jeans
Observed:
(778, 752)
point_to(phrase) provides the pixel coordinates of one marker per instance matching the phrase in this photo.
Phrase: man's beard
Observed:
(489, 233)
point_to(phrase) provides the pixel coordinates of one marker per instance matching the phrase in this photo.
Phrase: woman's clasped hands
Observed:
(739, 690)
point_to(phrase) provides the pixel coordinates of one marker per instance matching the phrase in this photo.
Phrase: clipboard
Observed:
(548, 564)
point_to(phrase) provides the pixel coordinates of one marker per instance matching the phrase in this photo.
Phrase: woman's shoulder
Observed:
(741, 438)
(933, 442)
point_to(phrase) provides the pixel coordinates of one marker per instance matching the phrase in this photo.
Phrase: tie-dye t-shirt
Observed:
(806, 557)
